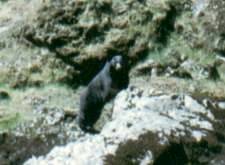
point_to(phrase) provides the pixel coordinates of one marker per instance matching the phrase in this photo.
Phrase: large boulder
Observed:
(145, 129)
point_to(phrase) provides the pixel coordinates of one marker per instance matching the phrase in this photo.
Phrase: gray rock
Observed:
(199, 6)
(221, 105)
(196, 71)
(135, 115)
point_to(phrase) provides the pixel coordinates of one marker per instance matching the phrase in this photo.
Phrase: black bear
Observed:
(103, 87)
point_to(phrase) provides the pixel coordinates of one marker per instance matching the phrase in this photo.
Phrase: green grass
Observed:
(158, 56)
(22, 102)
(177, 44)
(9, 121)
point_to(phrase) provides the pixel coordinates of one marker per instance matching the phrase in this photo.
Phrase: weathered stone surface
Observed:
(209, 13)
(146, 128)
(46, 117)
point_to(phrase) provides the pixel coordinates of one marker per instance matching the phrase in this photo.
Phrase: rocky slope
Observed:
(49, 50)
(146, 129)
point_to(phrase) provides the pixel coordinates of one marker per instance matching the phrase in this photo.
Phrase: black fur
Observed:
(103, 87)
